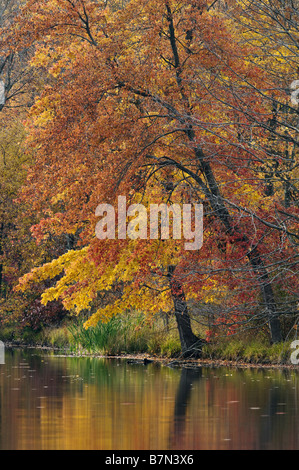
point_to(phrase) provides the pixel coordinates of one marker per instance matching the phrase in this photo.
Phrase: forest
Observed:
(177, 102)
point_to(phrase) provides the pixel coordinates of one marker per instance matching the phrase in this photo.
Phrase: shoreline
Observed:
(138, 358)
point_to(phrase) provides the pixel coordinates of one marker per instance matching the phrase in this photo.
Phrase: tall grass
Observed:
(249, 351)
(120, 334)
(125, 334)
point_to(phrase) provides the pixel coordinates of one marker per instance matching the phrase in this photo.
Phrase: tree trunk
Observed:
(268, 296)
(190, 343)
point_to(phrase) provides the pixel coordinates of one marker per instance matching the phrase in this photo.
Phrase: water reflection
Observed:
(52, 402)
(188, 378)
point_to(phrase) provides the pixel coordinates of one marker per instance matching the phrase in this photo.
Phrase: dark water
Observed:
(53, 402)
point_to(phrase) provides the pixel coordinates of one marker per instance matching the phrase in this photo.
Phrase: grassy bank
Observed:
(125, 334)
(249, 351)
(129, 335)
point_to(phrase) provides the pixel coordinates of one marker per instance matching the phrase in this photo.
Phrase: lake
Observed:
(52, 402)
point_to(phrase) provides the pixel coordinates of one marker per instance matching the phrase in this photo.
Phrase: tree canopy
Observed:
(177, 102)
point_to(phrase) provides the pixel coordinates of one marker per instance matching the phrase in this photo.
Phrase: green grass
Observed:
(130, 333)
(120, 334)
(125, 334)
(165, 343)
(250, 351)
(59, 337)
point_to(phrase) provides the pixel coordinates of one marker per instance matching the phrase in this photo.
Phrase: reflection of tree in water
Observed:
(188, 377)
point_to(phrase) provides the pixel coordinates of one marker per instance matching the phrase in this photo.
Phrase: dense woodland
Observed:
(174, 101)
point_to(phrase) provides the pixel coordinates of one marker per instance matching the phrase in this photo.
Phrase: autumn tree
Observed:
(273, 27)
(18, 249)
(158, 101)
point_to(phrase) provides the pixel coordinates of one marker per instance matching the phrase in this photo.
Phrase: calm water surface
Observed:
(53, 402)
